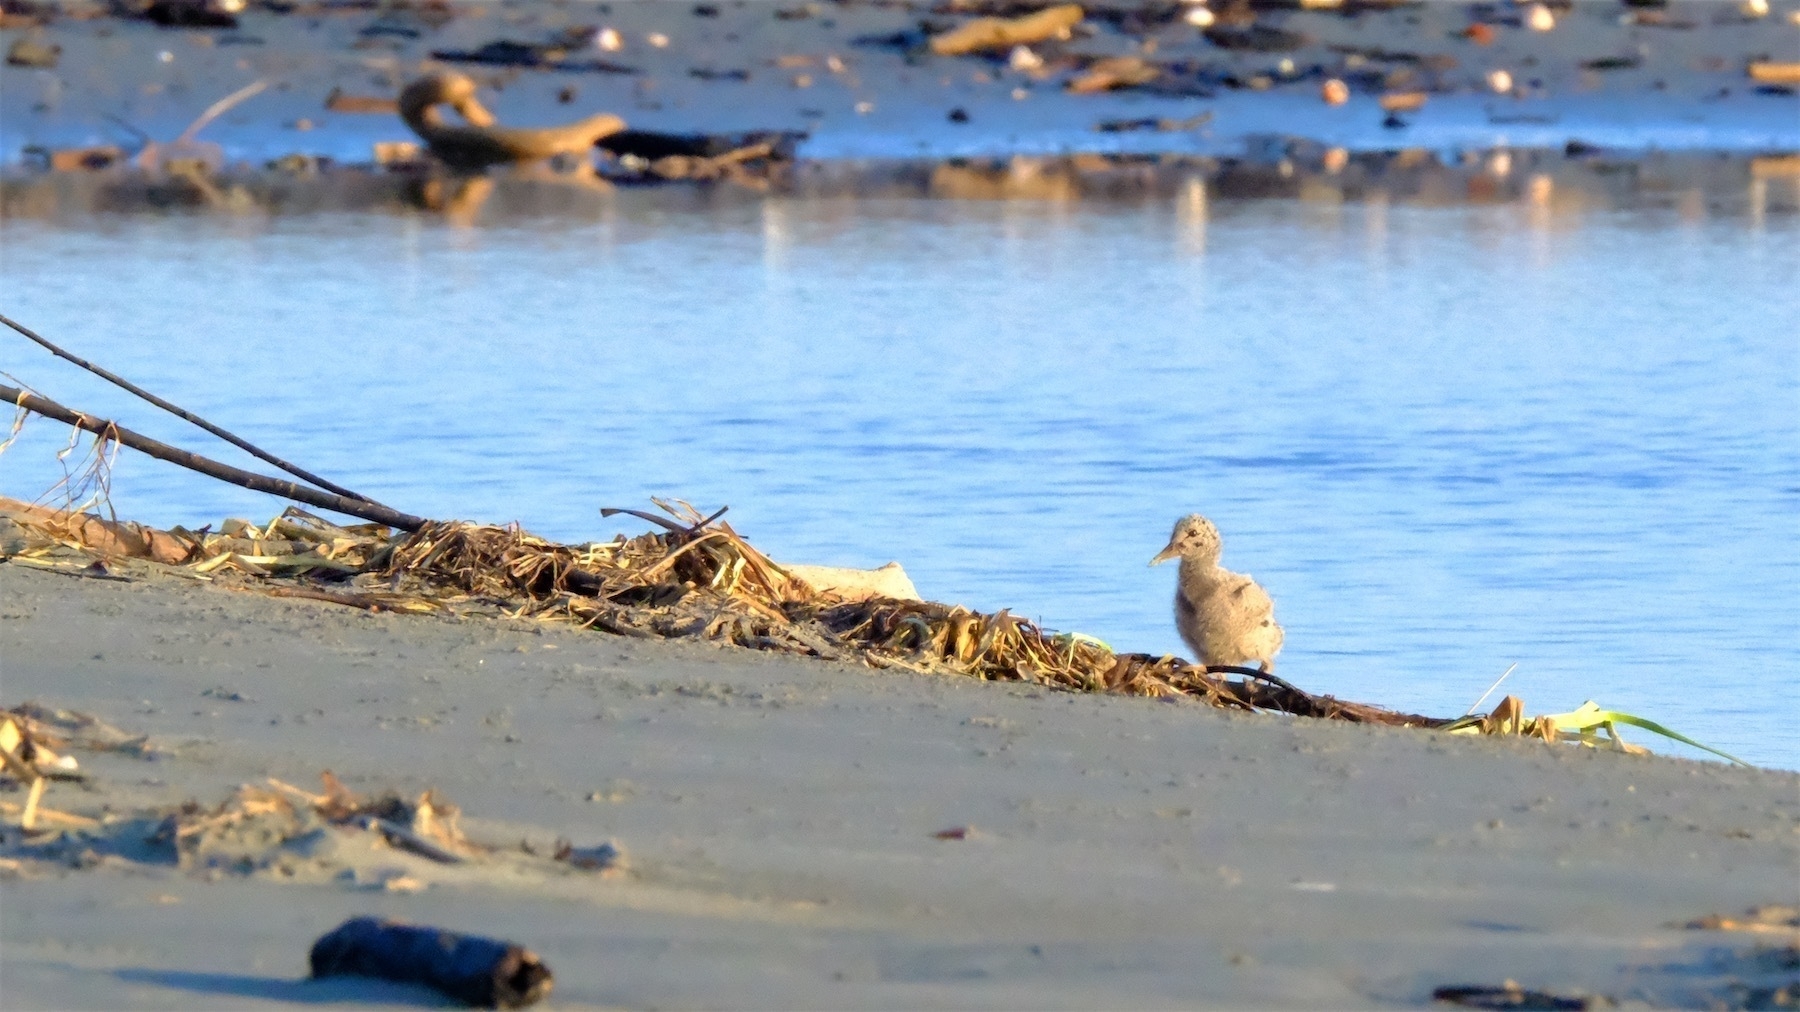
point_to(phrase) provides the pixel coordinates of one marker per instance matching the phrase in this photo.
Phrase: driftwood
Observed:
(479, 972)
(211, 468)
(483, 142)
(652, 145)
(178, 412)
(889, 581)
(113, 538)
(986, 34)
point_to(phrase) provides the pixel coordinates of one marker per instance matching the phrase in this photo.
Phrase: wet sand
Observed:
(780, 819)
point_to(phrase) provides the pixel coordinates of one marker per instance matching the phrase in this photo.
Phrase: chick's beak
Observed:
(1166, 554)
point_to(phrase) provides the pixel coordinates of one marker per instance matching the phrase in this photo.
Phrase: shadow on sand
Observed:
(302, 990)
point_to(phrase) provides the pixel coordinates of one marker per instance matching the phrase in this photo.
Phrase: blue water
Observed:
(1447, 439)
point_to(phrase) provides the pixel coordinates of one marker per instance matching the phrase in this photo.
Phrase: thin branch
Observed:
(220, 108)
(184, 415)
(212, 468)
(1491, 688)
(1257, 673)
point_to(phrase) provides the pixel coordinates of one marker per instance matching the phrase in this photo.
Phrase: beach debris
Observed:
(341, 101)
(1773, 72)
(20, 758)
(1159, 124)
(1500, 81)
(1510, 995)
(1538, 18)
(397, 154)
(741, 157)
(1024, 60)
(1001, 34)
(483, 142)
(953, 833)
(107, 537)
(650, 144)
(88, 159)
(478, 972)
(889, 581)
(606, 858)
(54, 728)
(28, 52)
(26, 759)
(1113, 73)
(1334, 92)
(1584, 725)
(1200, 16)
(1403, 101)
(1775, 167)
(1256, 38)
(190, 157)
(245, 833)
(194, 13)
(1769, 919)
(698, 578)
(564, 54)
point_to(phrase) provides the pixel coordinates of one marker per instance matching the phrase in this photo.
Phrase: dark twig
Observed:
(697, 528)
(1257, 673)
(184, 415)
(672, 528)
(212, 468)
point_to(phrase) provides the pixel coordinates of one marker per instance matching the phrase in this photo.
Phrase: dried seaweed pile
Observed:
(695, 577)
(698, 578)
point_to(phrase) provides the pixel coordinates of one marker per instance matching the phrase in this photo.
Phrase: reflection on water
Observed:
(1446, 436)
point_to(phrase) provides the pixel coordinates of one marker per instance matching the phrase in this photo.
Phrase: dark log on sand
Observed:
(480, 972)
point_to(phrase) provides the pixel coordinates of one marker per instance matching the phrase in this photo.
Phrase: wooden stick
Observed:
(401, 836)
(28, 818)
(186, 416)
(315, 800)
(212, 468)
(51, 815)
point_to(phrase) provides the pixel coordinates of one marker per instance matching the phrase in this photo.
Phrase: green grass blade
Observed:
(1589, 716)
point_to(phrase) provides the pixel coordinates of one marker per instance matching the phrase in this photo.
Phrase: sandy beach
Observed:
(777, 831)
(781, 822)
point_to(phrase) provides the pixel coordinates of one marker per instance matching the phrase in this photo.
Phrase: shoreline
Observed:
(784, 818)
(858, 78)
(1560, 181)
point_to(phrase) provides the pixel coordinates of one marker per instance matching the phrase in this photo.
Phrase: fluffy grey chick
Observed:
(1224, 617)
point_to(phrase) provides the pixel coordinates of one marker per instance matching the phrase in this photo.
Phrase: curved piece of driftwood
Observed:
(483, 142)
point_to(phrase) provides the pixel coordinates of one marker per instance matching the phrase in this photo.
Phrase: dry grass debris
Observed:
(694, 577)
